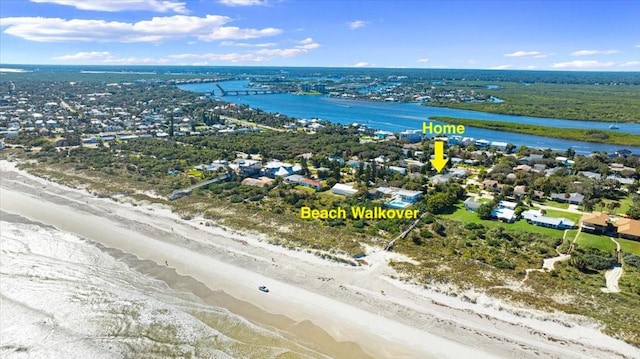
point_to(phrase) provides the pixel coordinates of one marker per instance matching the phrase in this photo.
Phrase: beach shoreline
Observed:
(360, 307)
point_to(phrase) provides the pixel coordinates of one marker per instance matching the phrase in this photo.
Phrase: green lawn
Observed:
(466, 216)
(628, 246)
(553, 204)
(603, 243)
(306, 189)
(571, 234)
(625, 203)
(195, 173)
(560, 214)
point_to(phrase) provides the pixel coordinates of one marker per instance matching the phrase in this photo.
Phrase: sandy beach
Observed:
(333, 309)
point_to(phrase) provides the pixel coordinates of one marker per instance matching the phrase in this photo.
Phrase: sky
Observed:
(535, 34)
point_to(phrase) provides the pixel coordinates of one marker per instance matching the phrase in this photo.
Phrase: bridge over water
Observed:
(245, 92)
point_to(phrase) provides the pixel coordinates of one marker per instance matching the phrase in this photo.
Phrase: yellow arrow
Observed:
(439, 161)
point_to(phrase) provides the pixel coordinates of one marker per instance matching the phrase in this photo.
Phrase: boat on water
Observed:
(613, 126)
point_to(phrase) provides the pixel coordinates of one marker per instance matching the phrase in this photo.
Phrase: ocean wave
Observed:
(64, 297)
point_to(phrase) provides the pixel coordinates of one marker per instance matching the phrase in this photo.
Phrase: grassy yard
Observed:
(625, 203)
(195, 173)
(560, 214)
(571, 234)
(466, 216)
(603, 243)
(306, 189)
(553, 204)
(628, 246)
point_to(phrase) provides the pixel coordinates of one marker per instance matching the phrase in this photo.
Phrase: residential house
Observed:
(623, 153)
(408, 196)
(523, 168)
(458, 172)
(507, 204)
(246, 167)
(551, 171)
(621, 180)
(591, 175)
(279, 169)
(536, 218)
(491, 185)
(504, 214)
(565, 161)
(293, 179)
(412, 136)
(471, 204)
(441, 179)
(303, 181)
(310, 183)
(520, 191)
(396, 169)
(596, 222)
(482, 144)
(628, 228)
(571, 198)
(530, 158)
(539, 168)
(343, 190)
(500, 146)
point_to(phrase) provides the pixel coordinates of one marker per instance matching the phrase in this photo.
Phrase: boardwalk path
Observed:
(612, 276)
(185, 191)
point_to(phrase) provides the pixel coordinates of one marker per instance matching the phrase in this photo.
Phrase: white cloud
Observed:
(262, 55)
(255, 55)
(582, 64)
(103, 57)
(85, 56)
(424, 60)
(308, 40)
(236, 33)
(361, 64)
(303, 47)
(501, 67)
(534, 54)
(129, 5)
(356, 24)
(637, 45)
(630, 63)
(229, 57)
(242, 2)
(158, 29)
(594, 52)
(245, 44)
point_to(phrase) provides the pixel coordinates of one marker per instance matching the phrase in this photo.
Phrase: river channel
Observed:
(396, 117)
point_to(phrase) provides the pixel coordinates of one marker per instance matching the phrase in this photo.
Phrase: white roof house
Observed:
(343, 189)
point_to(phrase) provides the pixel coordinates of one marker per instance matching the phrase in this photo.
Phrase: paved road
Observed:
(571, 209)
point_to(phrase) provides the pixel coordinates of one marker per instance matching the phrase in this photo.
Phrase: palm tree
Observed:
(613, 206)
